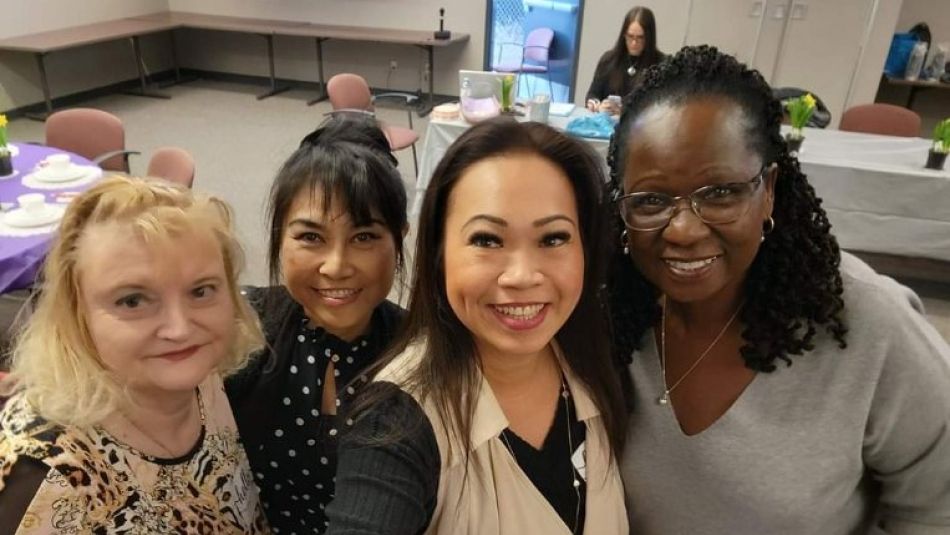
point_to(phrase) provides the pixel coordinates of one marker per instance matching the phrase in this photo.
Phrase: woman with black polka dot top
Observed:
(338, 216)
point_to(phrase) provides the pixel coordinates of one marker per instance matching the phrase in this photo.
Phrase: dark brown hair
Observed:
(448, 371)
(618, 54)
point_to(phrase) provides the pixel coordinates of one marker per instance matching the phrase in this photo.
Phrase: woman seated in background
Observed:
(782, 386)
(338, 216)
(119, 422)
(498, 410)
(621, 68)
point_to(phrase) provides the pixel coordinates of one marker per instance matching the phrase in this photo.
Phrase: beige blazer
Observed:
(497, 498)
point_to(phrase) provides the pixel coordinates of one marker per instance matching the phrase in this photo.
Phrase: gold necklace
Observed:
(166, 449)
(665, 398)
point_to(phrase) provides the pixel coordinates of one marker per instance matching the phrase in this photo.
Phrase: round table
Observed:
(21, 257)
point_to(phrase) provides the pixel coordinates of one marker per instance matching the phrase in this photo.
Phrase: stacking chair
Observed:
(350, 93)
(884, 119)
(534, 57)
(93, 134)
(172, 164)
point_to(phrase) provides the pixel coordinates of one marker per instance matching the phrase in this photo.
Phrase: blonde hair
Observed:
(55, 363)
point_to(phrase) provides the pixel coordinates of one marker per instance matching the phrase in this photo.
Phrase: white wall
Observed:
(78, 69)
(936, 13)
(874, 54)
(295, 57)
(70, 71)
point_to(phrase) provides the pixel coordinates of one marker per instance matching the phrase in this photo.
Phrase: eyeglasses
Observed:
(635, 38)
(716, 204)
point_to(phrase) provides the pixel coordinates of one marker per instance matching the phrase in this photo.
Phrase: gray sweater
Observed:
(850, 441)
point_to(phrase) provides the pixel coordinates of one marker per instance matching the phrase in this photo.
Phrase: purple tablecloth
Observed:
(21, 257)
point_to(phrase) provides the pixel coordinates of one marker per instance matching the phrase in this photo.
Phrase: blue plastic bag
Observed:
(901, 46)
(598, 126)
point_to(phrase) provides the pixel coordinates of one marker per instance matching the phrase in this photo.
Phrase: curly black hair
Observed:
(794, 284)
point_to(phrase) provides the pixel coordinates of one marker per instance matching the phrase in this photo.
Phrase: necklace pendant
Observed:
(664, 399)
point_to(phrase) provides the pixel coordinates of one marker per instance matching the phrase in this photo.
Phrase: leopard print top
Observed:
(98, 485)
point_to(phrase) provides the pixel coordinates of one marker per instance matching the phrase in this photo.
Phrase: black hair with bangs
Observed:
(346, 159)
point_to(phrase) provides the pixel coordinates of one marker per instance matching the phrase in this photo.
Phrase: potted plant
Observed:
(508, 93)
(938, 152)
(799, 111)
(6, 160)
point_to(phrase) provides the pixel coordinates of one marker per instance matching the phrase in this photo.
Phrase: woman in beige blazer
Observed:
(498, 411)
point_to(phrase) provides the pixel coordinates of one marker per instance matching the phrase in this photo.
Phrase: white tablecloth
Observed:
(878, 195)
(441, 134)
(875, 189)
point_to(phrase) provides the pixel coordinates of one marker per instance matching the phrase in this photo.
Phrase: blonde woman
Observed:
(119, 421)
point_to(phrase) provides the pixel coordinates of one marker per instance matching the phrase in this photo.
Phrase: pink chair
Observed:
(93, 134)
(534, 58)
(350, 93)
(172, 164)
(884, 119)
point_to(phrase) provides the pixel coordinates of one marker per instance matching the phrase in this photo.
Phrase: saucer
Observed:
(20, 218)
(73, 172)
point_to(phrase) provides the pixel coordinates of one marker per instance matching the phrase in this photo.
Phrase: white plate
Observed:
(73, 172)
(20, 218)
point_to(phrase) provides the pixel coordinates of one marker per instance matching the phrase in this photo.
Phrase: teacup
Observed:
(58, 163)
(32, 203)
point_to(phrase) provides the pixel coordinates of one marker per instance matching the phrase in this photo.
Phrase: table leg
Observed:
(274, 89)
(175, 65)
(323, 84)
(44, 84)
(911, 97)
(143, 89)
(426, 107)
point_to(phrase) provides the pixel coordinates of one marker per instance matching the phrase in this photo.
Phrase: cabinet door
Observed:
(730, 25)
(771, 32)
(821, 48)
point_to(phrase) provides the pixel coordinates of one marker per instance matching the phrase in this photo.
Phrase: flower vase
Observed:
(935, 159)
(794, 144)
(6, 163)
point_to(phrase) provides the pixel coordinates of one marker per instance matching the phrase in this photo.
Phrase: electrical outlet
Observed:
(393, 65)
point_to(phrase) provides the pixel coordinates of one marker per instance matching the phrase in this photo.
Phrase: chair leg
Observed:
(415, 164)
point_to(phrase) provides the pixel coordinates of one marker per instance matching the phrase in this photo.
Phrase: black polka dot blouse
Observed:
(277, 400)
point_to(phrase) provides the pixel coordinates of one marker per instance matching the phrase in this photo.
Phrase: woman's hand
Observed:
(610, 106)
(593, 104)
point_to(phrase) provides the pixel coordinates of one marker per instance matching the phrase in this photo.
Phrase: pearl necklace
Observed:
(565, 394)
(665, 398)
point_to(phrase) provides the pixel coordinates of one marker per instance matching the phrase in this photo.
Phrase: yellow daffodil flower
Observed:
(809, 100)
(3, 120)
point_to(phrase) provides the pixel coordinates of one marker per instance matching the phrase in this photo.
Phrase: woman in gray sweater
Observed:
(781, 386)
